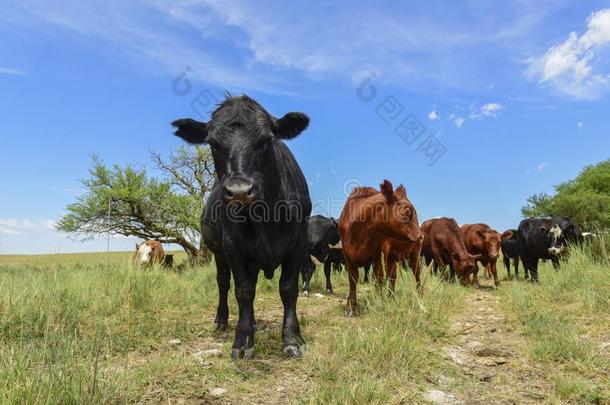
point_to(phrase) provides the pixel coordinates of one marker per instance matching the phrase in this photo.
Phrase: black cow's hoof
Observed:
(305, 293)
(349, 313)
(330, 291)
(476, 285)
(220, 326)
(293, 351)
(241, 353)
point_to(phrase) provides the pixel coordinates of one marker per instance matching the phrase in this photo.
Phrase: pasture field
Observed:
(89, 328)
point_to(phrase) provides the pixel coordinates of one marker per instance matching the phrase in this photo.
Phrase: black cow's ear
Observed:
(190, 130)
(290, 125)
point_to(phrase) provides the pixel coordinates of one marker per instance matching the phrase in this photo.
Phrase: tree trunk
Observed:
(196, 256)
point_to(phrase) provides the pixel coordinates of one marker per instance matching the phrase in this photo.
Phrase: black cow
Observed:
(255, 216)
(335, 258)
(571, 232)
(322, 236)
(546, 239)
(510, 250)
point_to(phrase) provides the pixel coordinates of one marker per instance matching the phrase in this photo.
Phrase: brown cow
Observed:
(396, 251)
(373, 222)
(149, 252)
(483, 240)
(444, 245)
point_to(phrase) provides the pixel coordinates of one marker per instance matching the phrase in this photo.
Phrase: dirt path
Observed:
(490, 356)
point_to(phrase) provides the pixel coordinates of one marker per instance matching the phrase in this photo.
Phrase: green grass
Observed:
(94, 329)
(566, 319)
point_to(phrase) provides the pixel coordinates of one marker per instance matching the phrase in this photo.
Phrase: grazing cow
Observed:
(480, 239)
(255, 216)
(322, 236)
(546, 239)
(510, 250)
(149, 252)
(375, 222)
(443, 245)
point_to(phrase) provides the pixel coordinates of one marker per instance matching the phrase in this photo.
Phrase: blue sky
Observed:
(516, 92)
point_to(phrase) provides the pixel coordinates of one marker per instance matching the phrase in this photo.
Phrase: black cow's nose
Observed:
(240, 190)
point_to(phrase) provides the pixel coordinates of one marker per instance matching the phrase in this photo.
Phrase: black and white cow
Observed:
(510, 250)
(255, 216)
(322, 236)
(546, 239)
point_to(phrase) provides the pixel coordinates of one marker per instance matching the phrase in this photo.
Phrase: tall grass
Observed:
(58, 324)
(564, 319)
(386, 354)
(84, 329)
(91, 332)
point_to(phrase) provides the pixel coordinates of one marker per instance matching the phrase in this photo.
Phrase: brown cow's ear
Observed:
(387, 190)
(506, 235)
(190, 130)
(290, 125)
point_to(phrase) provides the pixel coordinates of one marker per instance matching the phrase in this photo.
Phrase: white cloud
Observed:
(242, 45)
(433, 115)
(11, 71)
(489, 110)
(15, 226)
(542, 166)
(457, 120)
(573, 66)
(38, 236)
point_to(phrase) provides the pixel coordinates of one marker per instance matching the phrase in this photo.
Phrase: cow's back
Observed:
(441, 236)
(359, 240)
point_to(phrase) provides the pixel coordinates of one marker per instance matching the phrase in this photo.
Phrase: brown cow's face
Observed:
(464, 266)
(402, 220)
(492, 242)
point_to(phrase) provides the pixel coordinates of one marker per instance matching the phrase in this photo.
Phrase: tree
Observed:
(585, 199)
(128, 201)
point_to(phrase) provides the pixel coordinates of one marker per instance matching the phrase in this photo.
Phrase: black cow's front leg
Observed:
(245, 290)
(223, 279)
(506, 261)
(531, 266)
(307, 271)
(555, 262)
(327, 269)
(294, 344)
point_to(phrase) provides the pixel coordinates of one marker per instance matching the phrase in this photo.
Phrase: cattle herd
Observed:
(257, 217)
